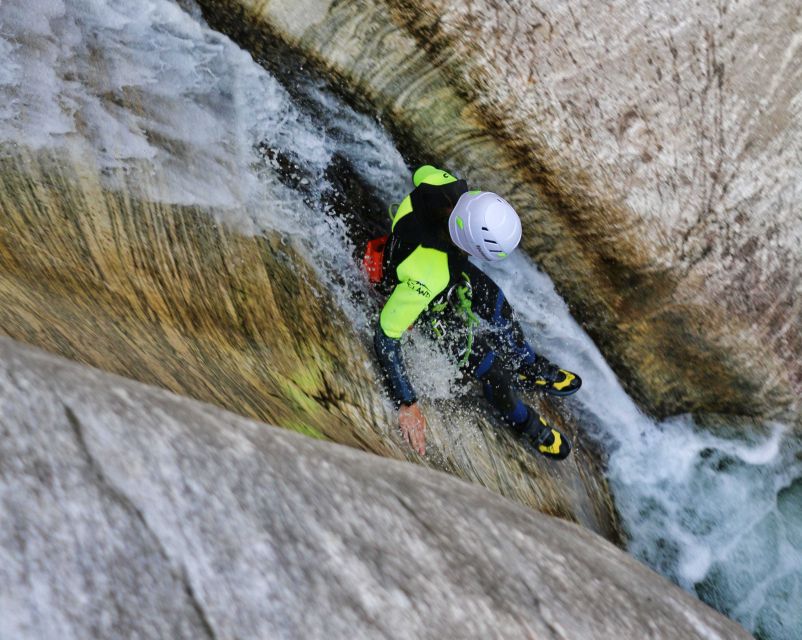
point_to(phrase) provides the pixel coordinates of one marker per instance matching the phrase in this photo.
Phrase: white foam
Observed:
(148, 88)
(179, 112)
(699, 507)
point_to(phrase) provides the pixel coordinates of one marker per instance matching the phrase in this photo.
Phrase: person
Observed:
(429, 279)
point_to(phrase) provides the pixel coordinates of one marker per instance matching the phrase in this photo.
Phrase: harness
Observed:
(460, 298)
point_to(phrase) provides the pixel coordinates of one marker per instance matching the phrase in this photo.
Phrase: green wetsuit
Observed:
(420, 253)
(421, 263)
(428, 274)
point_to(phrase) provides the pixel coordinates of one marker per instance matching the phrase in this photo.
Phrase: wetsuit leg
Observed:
(499, 350)
(488, 365)
(536, 372)
(500, 389)
(490, 304)
(496, 358)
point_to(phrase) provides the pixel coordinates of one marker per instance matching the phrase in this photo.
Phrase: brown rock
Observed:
(652, 149)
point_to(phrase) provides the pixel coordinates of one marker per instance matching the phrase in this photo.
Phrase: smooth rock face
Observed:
(676, 126)
(130, 512)
(653, 151)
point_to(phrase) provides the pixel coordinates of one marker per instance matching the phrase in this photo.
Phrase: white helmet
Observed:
(484, 225)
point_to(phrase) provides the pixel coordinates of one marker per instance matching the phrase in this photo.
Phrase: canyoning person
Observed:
(423, 265)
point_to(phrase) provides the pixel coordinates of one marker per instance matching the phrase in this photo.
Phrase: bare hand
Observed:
(413, 426)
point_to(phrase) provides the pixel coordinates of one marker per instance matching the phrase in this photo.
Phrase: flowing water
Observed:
(145, 87)
(721, 516)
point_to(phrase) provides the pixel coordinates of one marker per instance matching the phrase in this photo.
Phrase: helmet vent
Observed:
(484, 229)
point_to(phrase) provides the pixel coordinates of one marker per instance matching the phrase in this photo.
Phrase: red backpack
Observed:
(374, 256)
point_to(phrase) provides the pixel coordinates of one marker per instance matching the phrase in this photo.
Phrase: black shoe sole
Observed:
(558, 393)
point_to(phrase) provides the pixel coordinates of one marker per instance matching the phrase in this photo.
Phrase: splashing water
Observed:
(721, 516)
(148, 89)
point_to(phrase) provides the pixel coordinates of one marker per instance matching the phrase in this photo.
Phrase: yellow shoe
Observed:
(546, 440)
(548, 377)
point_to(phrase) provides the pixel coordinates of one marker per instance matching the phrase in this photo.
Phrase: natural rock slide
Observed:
(133, 512)
(165, 295)
(660, 190)
(652, 148)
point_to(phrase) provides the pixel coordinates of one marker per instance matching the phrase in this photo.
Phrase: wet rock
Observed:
(652, 150)
(167, 296)
(130, 511)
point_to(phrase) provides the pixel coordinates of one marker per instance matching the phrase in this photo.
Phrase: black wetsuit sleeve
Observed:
(388, 351)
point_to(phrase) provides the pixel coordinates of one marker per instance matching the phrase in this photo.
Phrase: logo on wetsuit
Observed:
(419, 288)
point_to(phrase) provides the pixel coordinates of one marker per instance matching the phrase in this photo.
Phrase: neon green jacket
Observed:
(421, 254)
(420, 263)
